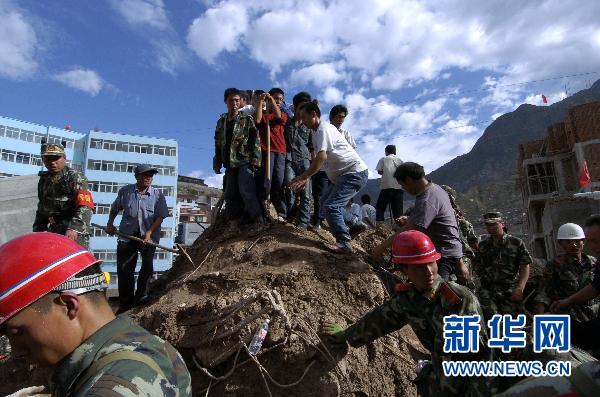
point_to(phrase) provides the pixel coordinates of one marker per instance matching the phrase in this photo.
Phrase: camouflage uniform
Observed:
(584, 381)
(466, 229)
(563, 277)
(424, 312)
(245, 143)
(4, 348)
(64, 201)
(497, 266)
(123, 377)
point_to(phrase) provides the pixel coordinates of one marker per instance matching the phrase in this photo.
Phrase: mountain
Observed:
(486, 177)
(495, 153)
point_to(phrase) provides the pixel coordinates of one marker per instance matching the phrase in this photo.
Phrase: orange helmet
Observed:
(413, 248)
(35, 264)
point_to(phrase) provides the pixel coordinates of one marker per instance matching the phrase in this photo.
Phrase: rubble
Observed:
(291, 276)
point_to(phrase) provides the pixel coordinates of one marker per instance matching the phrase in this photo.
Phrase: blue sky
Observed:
(428, 76)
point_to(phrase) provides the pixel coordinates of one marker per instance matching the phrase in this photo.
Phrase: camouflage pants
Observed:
(495, 302)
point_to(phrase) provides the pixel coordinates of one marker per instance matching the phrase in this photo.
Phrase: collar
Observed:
(502, 240)
(431, 293)
(70, 368)
(429, 185)
(149, 191)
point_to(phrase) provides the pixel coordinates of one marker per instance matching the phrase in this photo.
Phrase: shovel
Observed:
(179, 249)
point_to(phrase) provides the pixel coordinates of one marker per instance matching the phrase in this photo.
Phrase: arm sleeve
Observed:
(379, 166)
(382, 320)
(423, 214)
(117, 205)
(161, 209)
(544, 286)
(322, 141)
(254, 143)
(82, 217)
(217, 160)
(524, 256)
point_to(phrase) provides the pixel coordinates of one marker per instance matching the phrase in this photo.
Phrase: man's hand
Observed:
(517, 295)
(298, 183)
(111, 230)
(401, 221)
(32, 391)
(558, 305)
(148, 237)
(72, 234)
(334, 331)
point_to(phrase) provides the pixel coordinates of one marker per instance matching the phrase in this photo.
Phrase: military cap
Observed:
(52, 149)
(143, 168)
(492, 217)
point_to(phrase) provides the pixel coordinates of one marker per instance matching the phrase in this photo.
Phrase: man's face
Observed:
(278, 97)
(409, 185)
(311, 120)
(54, 163)
(338, 119)
(592, 239)
(144, 179)
(571, 247)
(37, 336)
(495, 229)
(422, 276)
(233, 103)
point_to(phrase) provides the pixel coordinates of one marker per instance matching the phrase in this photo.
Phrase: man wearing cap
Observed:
(422, 303)
(502, 264)
(567, 273)
(54, 311)
(65, 203)
(144, 209)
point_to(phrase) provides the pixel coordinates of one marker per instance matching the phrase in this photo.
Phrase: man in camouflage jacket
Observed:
(422, 303)
(502, 265)
(237, 149)
(65, 204)
(567, 274)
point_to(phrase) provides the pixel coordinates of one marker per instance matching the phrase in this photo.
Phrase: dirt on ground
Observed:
(209, 311)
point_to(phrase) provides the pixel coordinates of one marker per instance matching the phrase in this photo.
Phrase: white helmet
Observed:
(570, 231)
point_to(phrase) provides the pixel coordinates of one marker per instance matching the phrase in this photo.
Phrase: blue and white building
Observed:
(107, 159)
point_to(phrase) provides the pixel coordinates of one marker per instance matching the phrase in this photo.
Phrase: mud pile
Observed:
(291, 277)
(210, 310)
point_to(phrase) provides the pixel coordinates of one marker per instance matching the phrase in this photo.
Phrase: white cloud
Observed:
(149, 13)
(394, 44)
(218, 29)
(213, 180)
(332, 95)
(18, 44)
(150, 20)
(85, 80)
(320, 74)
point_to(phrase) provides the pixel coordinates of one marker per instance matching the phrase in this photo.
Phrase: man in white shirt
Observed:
(391, 192)
(344, 167)
(337, 115)
(367, 211)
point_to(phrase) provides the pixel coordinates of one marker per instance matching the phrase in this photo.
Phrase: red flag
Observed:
(584, 178)
(544, 99)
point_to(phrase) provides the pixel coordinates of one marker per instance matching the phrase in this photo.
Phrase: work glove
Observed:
(334, 331)
(33, 391)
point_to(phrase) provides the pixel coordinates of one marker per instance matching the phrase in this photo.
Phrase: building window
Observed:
(102, 209)
(541, 178)
(96, 143)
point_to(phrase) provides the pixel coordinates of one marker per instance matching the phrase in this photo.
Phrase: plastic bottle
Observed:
(259, 337)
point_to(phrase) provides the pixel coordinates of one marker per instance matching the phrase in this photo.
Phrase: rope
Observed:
(218, 378)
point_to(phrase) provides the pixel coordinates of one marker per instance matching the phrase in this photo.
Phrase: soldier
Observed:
(53, 309)
(567, 274)
(584, 381)
(502, 264)
(422, 303)
(65, 204)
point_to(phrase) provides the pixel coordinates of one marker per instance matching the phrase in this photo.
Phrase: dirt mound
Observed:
(239, 279)
(291, 277)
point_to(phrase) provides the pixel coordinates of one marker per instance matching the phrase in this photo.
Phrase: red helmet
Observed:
(413, 248)
(33, 265)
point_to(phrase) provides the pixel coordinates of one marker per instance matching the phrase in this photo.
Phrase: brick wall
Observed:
(592, 157)
(583, 122)
(556, 139)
